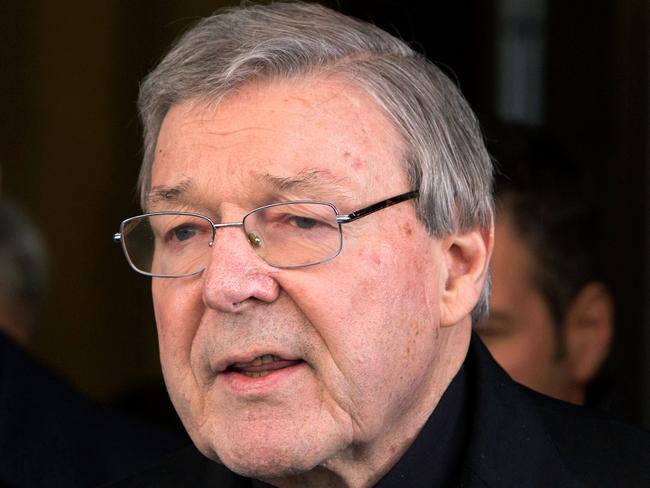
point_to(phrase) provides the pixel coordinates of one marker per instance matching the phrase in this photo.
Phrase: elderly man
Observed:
(318, 230)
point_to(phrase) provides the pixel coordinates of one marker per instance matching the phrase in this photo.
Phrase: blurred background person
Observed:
(50, 434)
(23, 273)
(551, 312)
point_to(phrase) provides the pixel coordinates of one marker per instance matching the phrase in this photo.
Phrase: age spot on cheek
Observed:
(357, 164)
(374, 257)
(408, 230)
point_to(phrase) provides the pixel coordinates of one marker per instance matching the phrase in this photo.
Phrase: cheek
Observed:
(177, 308)
(515, 356)
(382, 270)
(373, 311)
(396, 280)
(396, 289)
(526, 354)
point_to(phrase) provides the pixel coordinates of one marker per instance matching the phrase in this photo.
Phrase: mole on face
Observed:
(407, 229)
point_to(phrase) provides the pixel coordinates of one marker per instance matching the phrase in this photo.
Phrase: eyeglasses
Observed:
(285, 235)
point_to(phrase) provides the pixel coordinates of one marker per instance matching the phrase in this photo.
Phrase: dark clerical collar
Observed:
(435, 457)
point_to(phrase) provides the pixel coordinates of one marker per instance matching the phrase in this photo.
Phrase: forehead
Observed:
(306, 133)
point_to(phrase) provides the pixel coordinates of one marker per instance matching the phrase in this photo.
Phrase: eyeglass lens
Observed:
(296, 234)
(284, 235)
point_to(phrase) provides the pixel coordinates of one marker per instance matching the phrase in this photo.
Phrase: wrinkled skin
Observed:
(368, 359)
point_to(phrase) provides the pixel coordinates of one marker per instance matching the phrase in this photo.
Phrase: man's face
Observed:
(351, 341)
(521, 333)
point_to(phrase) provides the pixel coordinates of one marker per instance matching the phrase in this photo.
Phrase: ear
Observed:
(588, 330)
(466, 257)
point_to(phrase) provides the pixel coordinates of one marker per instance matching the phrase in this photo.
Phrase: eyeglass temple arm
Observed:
(357, 214)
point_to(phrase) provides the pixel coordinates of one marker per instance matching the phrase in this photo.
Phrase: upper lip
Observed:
(226, 362)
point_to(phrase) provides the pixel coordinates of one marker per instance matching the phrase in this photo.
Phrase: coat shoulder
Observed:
(591, 443)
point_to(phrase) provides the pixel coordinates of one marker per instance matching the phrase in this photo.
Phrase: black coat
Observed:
(516, 438)
(50, 436)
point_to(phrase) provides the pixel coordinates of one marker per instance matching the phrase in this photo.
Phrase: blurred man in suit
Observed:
(50, 435)
(551, 312)
(23, 272)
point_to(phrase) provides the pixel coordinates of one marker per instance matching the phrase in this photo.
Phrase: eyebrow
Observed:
(310, 181)
(169, 194)
(315, 183)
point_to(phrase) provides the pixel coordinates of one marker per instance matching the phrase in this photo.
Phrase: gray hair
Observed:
(445, 155)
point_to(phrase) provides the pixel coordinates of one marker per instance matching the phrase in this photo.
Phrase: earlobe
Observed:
(588, 331)
(467, 257)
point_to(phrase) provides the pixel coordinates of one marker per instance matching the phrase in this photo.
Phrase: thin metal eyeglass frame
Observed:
(340, 220)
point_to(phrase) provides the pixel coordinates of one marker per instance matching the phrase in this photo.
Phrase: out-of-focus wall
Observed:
(70, 154)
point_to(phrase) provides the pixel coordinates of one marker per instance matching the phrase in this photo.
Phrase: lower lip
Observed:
(241, 384)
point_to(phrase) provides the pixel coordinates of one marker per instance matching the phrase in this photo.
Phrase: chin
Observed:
(267, 460)
(278, 451)
(275, 465)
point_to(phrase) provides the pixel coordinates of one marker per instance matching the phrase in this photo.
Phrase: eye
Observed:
(305, 222)
(184, 233)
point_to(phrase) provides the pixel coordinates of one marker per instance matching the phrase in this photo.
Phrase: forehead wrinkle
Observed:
(232, 132)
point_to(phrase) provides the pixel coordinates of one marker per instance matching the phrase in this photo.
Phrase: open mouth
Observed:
(261, 366)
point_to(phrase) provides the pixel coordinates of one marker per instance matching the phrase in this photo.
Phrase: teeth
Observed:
(267, 358)
(258, 361)
(255, 374)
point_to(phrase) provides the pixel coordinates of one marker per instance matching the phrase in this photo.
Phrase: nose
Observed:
(235, 276)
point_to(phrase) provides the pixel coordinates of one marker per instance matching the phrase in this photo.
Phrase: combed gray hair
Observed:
(445, 154)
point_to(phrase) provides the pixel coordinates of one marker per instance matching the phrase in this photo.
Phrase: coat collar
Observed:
(508, 443)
